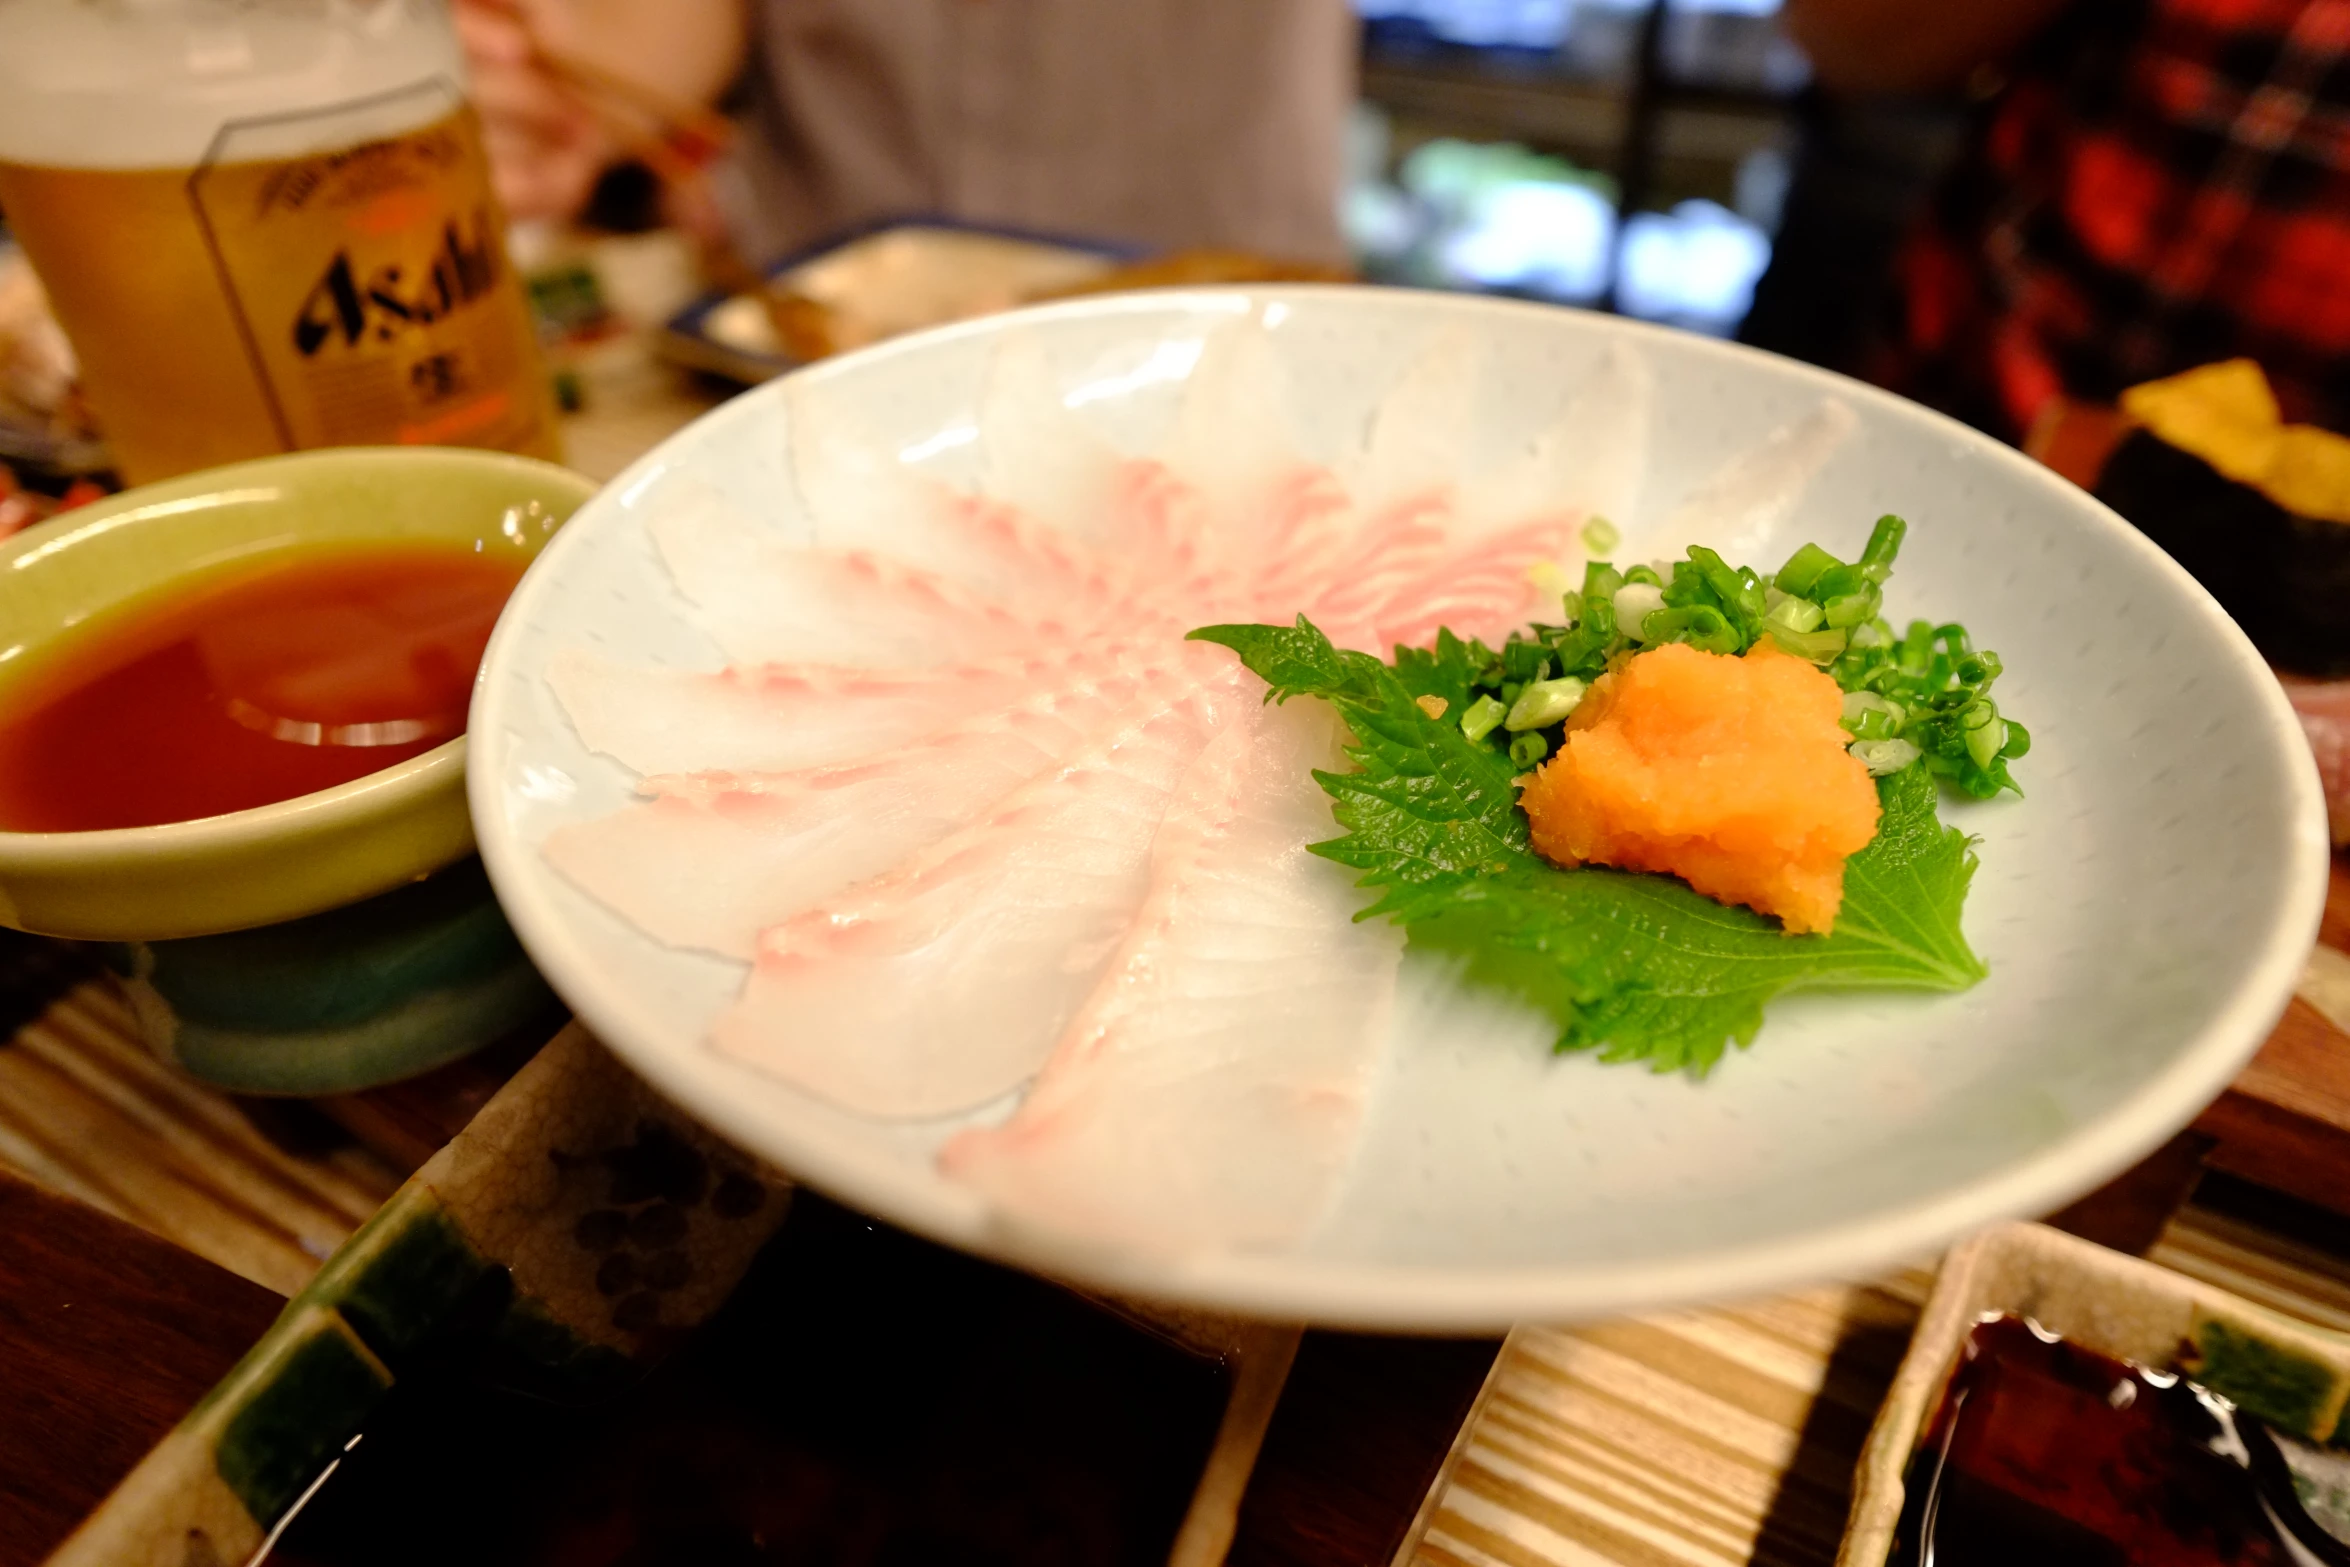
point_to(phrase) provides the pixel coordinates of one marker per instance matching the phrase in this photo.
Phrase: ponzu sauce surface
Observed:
(290, 675)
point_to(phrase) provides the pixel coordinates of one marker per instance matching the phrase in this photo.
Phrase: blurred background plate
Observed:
(857, 288)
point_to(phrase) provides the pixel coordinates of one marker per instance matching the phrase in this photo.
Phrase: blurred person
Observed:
(2148, 186)
(1162, 123)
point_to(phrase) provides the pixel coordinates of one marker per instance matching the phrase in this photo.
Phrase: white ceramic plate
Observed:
(2144, 911)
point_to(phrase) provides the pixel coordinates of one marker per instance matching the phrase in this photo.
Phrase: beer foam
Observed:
(138, 84)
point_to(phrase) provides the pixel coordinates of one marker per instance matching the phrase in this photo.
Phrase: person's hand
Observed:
(545, 148)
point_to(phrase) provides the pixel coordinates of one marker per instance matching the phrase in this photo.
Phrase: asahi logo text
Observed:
(391, 299)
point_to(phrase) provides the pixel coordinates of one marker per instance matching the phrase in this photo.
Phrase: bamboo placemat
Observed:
(87, 1110)
(1727, 1436)
(1720, 1436)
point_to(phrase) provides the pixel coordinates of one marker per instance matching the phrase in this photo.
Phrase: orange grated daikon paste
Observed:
(1730, 773)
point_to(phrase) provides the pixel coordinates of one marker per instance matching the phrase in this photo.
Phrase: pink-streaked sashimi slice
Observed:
(1210, 1094)
(711, 859)
(783, 717)
(1018, 557)
(1034, 451)
(941, 986)
(855, 488)
(1221, 563)
(1481, 588)
(1235, 434)
(1305, 530)
(1165, 528)
(857, 491)
(766, 601)
(1392, 555)
(1235, 445)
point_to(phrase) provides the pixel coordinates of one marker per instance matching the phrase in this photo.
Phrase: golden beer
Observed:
(321, 264)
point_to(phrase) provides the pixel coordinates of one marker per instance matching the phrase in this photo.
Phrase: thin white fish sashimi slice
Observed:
(1590, 460)
(1235, 434)
(1260, 508)
(1391, 556)
(712, 859)
(1418, 439)
(941, 986)
(783, 717)
(1211, 1094)
(1036, 563)
(1306, 533)
(1737, 512)
(1046, 473)
(1034, 452)
(1475, 588)
(1168, 532)
(1275, 551)
(765, 601)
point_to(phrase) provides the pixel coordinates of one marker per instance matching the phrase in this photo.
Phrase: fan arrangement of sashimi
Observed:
(992, 840)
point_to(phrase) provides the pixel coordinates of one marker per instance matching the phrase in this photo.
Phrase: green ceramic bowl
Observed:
(333, 941)
(305, 855)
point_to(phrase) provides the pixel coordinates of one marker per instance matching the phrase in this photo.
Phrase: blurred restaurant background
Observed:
(2114, 236)
(1670, 161)
(1603, 153)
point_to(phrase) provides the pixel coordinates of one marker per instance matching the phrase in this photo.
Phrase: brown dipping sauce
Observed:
(2043, 1452)
(289, 676)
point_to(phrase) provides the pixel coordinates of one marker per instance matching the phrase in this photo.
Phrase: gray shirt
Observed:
(1162, 123)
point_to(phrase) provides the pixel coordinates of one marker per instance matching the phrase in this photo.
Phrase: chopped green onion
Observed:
(1635, 602)
(1600, 536)
(1839, 582)
(1795, 614)
(1869, 716)
(1884, 543)
(1803, 570)
(1885, 756)
(1700, 625)
(1522, 661)
(1544, 703)
(1852, 609)
(1820, 647)
(1528, 749)
(1926, 686)
(1986, 733)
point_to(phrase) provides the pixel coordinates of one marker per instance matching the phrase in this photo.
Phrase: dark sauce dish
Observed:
(2044, 1451)
(2281, 1491)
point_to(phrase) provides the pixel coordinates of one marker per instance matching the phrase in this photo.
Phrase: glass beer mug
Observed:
(265, 224)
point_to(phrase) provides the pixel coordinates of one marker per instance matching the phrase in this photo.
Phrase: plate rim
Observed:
(1432, 1297)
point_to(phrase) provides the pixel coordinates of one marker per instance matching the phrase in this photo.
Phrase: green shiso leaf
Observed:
(1640, 968)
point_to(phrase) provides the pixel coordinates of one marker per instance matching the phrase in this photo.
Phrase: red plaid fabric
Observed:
(2163, 184)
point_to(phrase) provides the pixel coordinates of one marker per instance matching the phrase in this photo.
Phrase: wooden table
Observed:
(1723, 1435)
(107, 1335)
